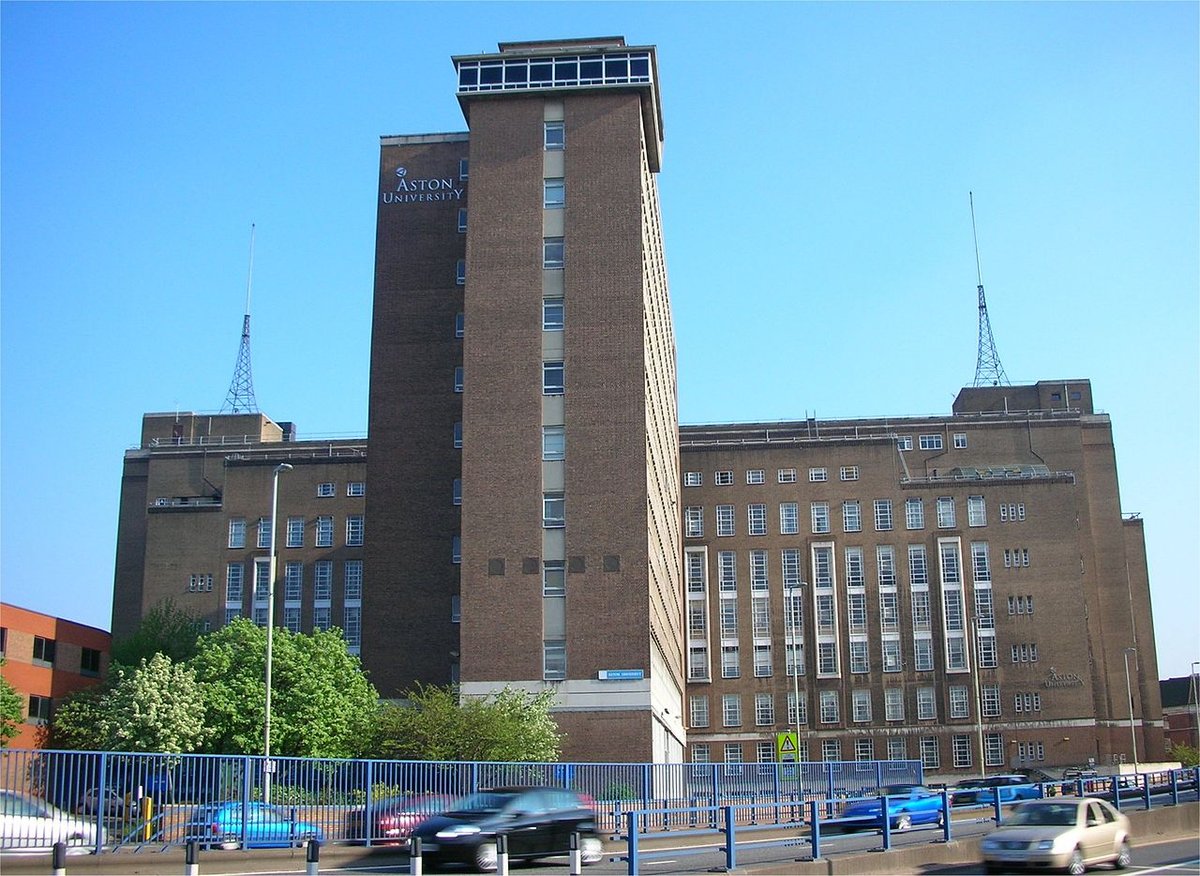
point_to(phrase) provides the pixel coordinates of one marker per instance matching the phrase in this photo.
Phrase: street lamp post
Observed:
(792, 623)
(268, 767)
(978, 699)
(1129, 696)
(1196, 699)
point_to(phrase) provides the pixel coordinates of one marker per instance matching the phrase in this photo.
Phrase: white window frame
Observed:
(554, 378)
(883, 515)
(976, 511)
(554, 251)
(725, 521)
(820, 517)
(848, 473)
(914, 513)
(693, 478)
(554, 443)
(830, 707)
(325, 490)
(818, 474)
(931, 442)
(554, 193)
(723, 478)
(851, 516)
(554, 136)
(960, 440)
(693, 517)
(554, 314)
(355, 525)
(756, 519)
(237, 532)
(860, 708)
(323, 532)
(756, 476)
(786, 475)
(789, 518)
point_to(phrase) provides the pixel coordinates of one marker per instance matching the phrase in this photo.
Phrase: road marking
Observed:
(1167, 868)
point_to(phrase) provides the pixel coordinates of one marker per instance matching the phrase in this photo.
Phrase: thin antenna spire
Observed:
(240, 398)
(988, 370)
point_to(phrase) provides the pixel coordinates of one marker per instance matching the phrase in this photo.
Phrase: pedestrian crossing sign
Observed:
(786, 747)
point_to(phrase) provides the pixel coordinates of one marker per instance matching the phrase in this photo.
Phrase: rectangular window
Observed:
(696, 573)
(822, 566)
(693, 479)
(554, 442)
(324, 532)
(755, 476)
(856, 609)
(764, 709)
(40, 709)
(766, 757)
(553, 314)
(463, 168)
(554, 578)
(914, 513)
(854, 567)
(976, 511)
(460, 272)
(825, 614)
(724, 520)
(959, 704)
(322, 579)
(790, 560)
(262, 580)
(831, 749)
(883, 515)
(698, 711)
(904, 442)
(987, 652)
(727, 571)
(889, 611)
(554, 136)
(697, 663)
(859, 662)
(991, 701)
(921, 616)
(918, 566)
(43, 650)
(353, 579)
(731, 666)
(923, 654)
(553, 378)
(931, 442)
(462, 220)
(861, 705)
(293, 581)
(851, 516)
(891, 655)
(931, 758)
(264, 532)
(352, 627)
(926, 704)
(787, 475)
(816, 475)
(553, 193)
(962, 750)
(234, 582)
(893, 703)
(897, 748)
(291, 618)
(830, 708)
(325, 491)
(849, 472)
(354, 530)
(456, 549)
(981, 569)
(457, 436)
(820, 517)
(700, 753)
(733, 755)
(554, 510)
(885, 561)
(237, 532)
(756, 515)
(760, 613)
(356, 488)
(960, 440)
(552, 253)
(723, 478)
(762, 663)
(729, 619)
(945, 512)
(789, 518)
(693, 519)
(797, 708)
(758, 570)
(827, 662)
(554, 659)
(731, 710)
(993, 747)
(458, 378)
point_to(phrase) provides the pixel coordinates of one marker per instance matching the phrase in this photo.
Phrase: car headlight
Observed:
(457, 831)
(1045, 845)
(989, 845)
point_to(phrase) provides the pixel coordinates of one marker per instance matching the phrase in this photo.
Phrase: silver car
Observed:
(31, 825)
(1058, 834)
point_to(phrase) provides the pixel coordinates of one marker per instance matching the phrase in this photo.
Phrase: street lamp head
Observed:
(283, 466)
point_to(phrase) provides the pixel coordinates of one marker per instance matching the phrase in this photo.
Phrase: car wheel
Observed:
(992, 868)
(904, 822)
(1075, 865)
(1124, 856)
(486, 857)
(591, 850)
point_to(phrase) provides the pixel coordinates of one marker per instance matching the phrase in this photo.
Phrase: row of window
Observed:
(321, 620)
(293, 580)
(962, 746)
(820, 519)
(758, 476)
(295, 528)
(328, 489)
(45, 653)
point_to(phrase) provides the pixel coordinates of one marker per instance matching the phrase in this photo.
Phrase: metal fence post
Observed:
(945, 815)
(369, 805)
(646, 802)
(715, 797)
(998, 814)
(730, 839)
(1146, 789)
(814, 828)
(887, 823)
(1174, 787)
(632, 839)
(102, 799)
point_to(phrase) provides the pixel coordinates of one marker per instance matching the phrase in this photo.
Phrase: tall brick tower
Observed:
(524, 495)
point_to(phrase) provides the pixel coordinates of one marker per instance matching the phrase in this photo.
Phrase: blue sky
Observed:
(814, 190)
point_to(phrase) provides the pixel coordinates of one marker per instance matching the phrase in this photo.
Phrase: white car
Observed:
(1060, 833)
(31, 825)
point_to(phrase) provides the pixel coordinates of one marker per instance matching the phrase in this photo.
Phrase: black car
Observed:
(538, 822)
(971, 791)
(393, 818)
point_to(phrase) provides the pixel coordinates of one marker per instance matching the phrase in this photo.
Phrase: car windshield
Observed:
(1046, 813)
(971, 783)
(903, 790)
(483, 802)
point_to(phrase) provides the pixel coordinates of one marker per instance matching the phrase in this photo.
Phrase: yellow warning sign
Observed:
(786, 747)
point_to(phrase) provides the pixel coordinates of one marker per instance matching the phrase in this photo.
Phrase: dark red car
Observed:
(392, 819)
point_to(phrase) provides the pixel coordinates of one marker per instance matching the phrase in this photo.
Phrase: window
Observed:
(352, 580)
(859, 662)
(554, 136)
(731, 666)
(733, 755)
(456, 549)
(851, 516)
(885, 560)
(854, 569)
(931, 758)
(462, 219)
(797, 708)
(554, 510)
(764, 709)
(789, 518)
(553, 378)
(724, 520)
(897, 748)
(352, 627)
(293, 581)
(914, 513)
(553, 193)
(693, 517)
(237, 533)
(945, 512)
(455, 608)
(460, 272)
(827, 662)
(976, 511)
(264, 532)
(325, 491)
(760, 611)
(787, 475)
(552, 253)
(861, 705)
(463, 168)
(993, 748)
(889, 611)
(758, 570)
(883, 515)
(234, 580)
(458, 434)
(693, 478)
(291, 618)
(697, 663)
(960, 440)
(354, 530)
(831, 749)
(727, 571)
(89, 661)
(830, 708)
(762, 665)
(458, 378)
(700, 753)
(554, 442)
(552, 313)
(891, 655)
(987, 652)
(893, 703)
(698, 711)
(322, 579)
(696, 572)
(755, 476)
(823, 566)
(816, 475)
(931, 442)
(959, 705)
(790, 560)
(262, 580)
(926, 704)
(356, 488)
(962, 749)
(904, 442)
(723, 478)
(921, 615)
(991, 701)
(766, 757)
(756, 519)
(731, 710)
(39, 709)
(554, 659)
(324, 532)
(849, 473)
(43, 650)
(981, 569)
(923, 655)
(820, 517)
(729, 619)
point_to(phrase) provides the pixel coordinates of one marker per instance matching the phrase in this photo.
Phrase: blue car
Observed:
(1009, 788)
(266, 827)
(906, 805)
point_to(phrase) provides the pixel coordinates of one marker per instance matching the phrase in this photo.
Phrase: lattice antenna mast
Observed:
(988, 370)
(240, 398)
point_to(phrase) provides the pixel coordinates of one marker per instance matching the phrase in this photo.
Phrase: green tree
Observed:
(1187, 755)
(165, 629)
(510, 725)
(10, 711)
(321, 702)
(155, 706)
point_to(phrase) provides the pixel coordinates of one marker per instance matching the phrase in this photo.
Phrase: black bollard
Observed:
(501, 855)
(192, 858)
(576, 854)
(60, 859)
(312, 857)
(414, 857)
